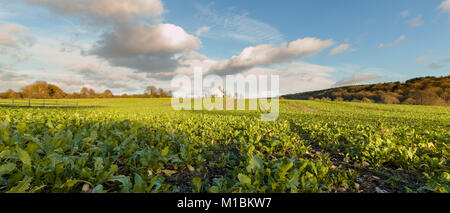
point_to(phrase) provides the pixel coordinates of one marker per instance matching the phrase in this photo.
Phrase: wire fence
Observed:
(37, 103)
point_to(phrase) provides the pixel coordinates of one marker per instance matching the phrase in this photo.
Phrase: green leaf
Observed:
(155, 184)
(424, 188)
(69, 184)
(22, 186)
(169, 172)
(6, 169)
(191, 168)
(59, 169)
(165, 152)
(197, 184)
(244, 179)
(24, 157)
(214, 189)
(255, 164)
(4, 153)
(36, 189)
(98, 165)
(4, 132)
(286, 166)
(98, 189)
(125, 180)
(139, 184)
(21, 128)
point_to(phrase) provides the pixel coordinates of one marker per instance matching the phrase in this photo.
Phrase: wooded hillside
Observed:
(417, 91)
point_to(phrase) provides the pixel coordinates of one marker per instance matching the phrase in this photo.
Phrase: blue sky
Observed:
(126, 45)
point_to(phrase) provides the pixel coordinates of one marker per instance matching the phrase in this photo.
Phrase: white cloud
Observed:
(294, 77)
(404, 14)
(264, 55)
(298, 76)
(339, 49)
(50, 48)
(357, 78)
(137, 39)
(14, 36)
(14, 42)
(202, 30)
(6, 66)
(415, 22)
(146, 48)
(11, 80)
(445, 6)
(186, 62)
(119, 10)
(396, 42)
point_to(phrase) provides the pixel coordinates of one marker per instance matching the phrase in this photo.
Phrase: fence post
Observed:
(29, 102)
(13, 102)
(56, 103)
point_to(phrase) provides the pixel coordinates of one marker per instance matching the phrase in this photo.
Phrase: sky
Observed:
(126, 45)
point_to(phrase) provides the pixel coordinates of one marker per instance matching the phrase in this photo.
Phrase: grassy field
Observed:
(142, 145)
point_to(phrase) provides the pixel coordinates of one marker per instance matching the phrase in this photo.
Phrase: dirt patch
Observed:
(181, 179)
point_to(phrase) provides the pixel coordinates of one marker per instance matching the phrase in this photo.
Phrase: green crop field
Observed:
(143, 145)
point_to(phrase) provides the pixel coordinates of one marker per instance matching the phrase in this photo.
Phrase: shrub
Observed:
(409, 101)
(367, 100)
(389, 99)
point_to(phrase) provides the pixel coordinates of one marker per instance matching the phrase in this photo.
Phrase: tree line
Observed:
(417, 91)
(44, 90)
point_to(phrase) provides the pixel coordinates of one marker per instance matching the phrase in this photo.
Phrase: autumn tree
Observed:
(108, 94)
(55, 92)
(43, 90)
(11, 94)
(84, 93)
(91, 93)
